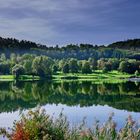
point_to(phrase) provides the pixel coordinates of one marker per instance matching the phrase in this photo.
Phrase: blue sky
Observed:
(70, 21)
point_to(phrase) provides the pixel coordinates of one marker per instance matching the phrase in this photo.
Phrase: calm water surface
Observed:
(78, 99)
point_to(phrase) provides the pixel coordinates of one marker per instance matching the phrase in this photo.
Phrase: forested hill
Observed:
(131, 44)
(127, 49)
(12, 43)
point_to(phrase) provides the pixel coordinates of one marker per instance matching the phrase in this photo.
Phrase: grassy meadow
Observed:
(98, 75)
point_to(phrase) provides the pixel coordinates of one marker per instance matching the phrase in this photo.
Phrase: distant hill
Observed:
(15, 44)
(131, 44)
(121, 49)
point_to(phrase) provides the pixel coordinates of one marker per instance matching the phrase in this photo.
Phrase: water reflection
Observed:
(24, 95)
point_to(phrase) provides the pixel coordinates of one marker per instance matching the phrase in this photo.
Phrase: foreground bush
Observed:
(37, 125)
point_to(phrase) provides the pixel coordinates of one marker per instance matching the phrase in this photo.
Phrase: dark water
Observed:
(78, 99)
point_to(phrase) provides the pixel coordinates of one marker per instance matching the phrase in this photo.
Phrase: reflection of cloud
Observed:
(66, 21)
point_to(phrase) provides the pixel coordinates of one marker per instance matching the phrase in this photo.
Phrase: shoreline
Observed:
(96, 76)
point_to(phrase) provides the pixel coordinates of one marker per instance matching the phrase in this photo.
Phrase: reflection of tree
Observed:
(64, 87)
(21, 91)
(108, 89)
(86, 87)
(27, 94)
(73, 86)
(41, 90)
(129, 88)
(17, 91)
(101, 89)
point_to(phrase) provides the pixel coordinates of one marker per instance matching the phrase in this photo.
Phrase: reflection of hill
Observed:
(27, 95)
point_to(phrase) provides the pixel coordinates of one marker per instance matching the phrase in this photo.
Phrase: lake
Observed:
(76, 99)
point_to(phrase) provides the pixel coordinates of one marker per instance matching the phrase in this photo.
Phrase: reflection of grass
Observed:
(28, 77)
(95, 81)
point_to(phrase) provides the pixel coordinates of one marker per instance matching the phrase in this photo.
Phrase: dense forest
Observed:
(122, 49)
(25, 57)
(44, 66)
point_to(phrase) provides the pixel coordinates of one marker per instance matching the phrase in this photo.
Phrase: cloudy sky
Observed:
(70, 21)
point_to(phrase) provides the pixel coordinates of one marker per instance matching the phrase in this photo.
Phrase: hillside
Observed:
(122, 49)
(131, 44)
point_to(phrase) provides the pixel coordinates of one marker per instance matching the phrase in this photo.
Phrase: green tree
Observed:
(54, 69)
(73, 66)
(93, 63)
(114, 63)
(28, 66)
(124, 66)
(42, 66)
(107, 67)
(13, 59)
(2, 57)
(17, 70)
(36, 67)
(61, 64)
(101, 63)
(80, 62)
(86, 67)
(5, 68)
(65, 68)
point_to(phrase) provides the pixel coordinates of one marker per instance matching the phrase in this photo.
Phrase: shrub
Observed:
(37, 125)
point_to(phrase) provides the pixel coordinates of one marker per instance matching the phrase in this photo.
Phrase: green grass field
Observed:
(98, 76)
(21, 78)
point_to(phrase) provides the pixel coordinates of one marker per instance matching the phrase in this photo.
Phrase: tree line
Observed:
(122, 49)
(42, 66)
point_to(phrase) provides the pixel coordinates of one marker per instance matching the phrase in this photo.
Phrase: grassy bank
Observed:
(38, 125)
(21, 78)
(98, 75)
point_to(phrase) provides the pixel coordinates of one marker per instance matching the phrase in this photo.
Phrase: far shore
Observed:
(98, 75)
